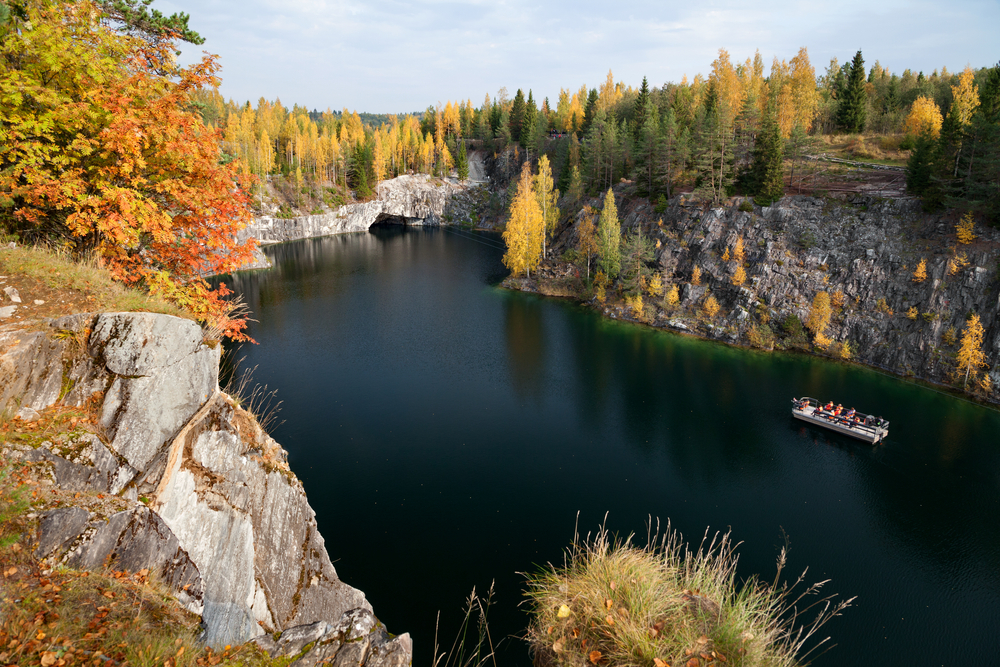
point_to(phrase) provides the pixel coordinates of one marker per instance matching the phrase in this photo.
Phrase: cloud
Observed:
(392, 56)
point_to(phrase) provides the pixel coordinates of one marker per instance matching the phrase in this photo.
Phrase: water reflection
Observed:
(428, 409)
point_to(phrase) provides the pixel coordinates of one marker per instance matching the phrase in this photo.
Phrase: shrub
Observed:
(661, 204)
(911, 314)
(746, 206)
(616, 604)
(711, 307)
(761, 336)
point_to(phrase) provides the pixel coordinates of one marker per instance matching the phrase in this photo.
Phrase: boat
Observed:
(872, 430)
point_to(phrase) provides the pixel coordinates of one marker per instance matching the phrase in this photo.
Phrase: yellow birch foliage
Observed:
(964, 229)
(966, 97)
(920, 274)
(729, 90)
(819, 315)
(924, 118)
(802, 85)
(970, 357)
(524, 231)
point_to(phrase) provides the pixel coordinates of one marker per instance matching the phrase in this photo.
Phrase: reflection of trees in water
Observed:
(525, 344)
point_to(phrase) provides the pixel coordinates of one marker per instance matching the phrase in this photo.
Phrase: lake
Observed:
(449, 433)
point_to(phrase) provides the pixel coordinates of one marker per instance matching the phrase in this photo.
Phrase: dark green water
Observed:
(448, 432)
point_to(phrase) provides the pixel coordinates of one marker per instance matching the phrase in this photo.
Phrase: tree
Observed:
(964, 229)
(965, 97)
(641, 109)
(970, 357)
(586, 237)
(463, 162)
(920, 167)
(671, 298)
(639, 253)
(648, 147)
(924, 118)
(740, 275)
(527, 135)
(851, 113)
(696, 276)
(766, 178)
(610, 237)
(547, 197)
(133, 17)
(819, 314)
(525, 227)
(517, 111)
(739, 254)
(920, 274)
(711, 307)
(102, 153)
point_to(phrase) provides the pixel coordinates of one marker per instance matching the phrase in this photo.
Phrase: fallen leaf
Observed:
(703, 639)
(610, 620)
(693, 662)
(608, 603)
(558, 646)
(594, 657)
(48, 658)
(660, 663)
(564, 612)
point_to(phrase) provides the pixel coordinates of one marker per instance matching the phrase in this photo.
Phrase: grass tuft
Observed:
(616, 604)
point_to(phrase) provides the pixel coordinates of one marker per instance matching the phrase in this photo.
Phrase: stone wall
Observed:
(200, 492)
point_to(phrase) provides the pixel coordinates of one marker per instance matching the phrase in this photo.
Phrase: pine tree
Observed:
(648, 148)
(610, 237)
(851, 113)
(639, 253)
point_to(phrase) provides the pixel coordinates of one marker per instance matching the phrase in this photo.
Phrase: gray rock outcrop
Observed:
(417, 200)
(195, 488)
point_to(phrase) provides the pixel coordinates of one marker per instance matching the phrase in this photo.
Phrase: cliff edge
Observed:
(202, 495)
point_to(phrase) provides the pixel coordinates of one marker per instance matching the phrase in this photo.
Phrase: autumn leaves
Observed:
(105, 154)
(533, 215)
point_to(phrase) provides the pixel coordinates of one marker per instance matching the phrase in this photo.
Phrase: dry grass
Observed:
(58, 617)
(69, 285)
(615, 604)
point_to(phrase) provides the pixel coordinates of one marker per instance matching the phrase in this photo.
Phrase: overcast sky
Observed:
(387, 56)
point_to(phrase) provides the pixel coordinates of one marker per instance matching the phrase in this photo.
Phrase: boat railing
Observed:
(859, 420)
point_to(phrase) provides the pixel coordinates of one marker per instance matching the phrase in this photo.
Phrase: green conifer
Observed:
(852, 112)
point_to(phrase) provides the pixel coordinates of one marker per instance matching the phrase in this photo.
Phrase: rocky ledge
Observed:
(196, 490)
(416, 200)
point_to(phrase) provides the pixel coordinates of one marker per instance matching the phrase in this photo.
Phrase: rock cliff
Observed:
(195, 489)
(416, 200)
(865, 248)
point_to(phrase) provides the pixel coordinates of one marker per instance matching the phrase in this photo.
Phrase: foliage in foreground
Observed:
(613, 603)
(103, 153)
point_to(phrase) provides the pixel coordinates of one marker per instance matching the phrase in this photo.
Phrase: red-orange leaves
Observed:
(101, 151)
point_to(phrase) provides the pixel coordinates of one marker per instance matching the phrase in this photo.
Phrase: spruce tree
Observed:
(589, 112)
(517, 111)
(767, 173)
(851, 114)
(527, 136)
(639, 253)
(463, 163)
(641, 109)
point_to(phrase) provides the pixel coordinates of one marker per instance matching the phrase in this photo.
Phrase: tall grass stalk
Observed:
(613, 603)
(466, 651)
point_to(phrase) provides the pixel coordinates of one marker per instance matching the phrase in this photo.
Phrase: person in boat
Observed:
(850, 414)
(828, 407)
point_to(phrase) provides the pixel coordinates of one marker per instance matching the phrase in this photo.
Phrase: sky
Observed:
(387, 56)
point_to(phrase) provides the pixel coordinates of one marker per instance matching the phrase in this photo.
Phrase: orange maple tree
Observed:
(102, 151)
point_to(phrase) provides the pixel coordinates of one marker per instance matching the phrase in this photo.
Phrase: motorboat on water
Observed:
(851, 423)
